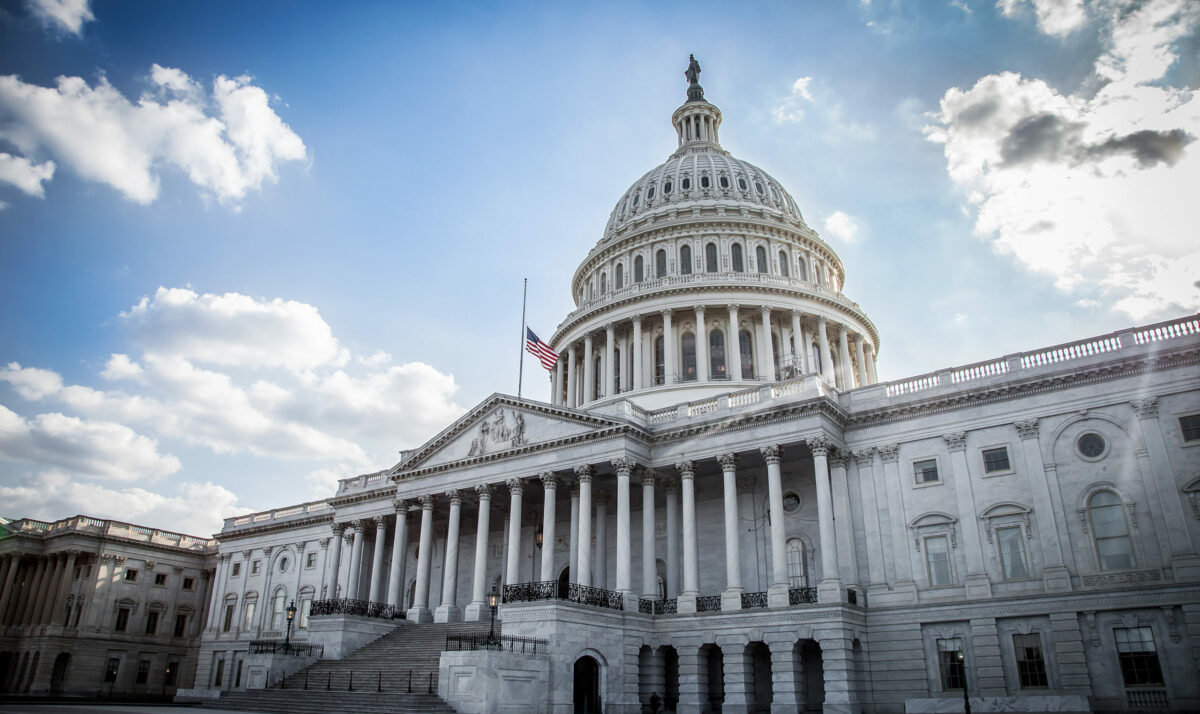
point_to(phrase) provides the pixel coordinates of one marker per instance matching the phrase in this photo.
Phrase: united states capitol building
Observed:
(721, 508)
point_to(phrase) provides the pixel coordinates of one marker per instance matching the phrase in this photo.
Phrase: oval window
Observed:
(667, 187)
(742, 184)
(1091, 446)
(685, 184)
(759, 187)
(650, 193)
(703, 182)
(283, 563)
(724, 181)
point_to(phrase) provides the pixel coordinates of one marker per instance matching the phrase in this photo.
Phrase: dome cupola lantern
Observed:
(697, 121)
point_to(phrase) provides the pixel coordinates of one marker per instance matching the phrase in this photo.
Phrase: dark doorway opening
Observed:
(58, 675)
(564, 583)
(587, 686)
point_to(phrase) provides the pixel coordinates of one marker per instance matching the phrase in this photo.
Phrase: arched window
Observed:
(598, 377)
(704, 182)
(277, 608)
(760, 257)
(716, 355)
(667, 187)
(710, 258)
(783, 267)
(685, 260)
(724, 181)
(650, 192)
(1111, 532)
(746, 346)
(797, 564)
(603, 283)
(620, 276)
(412, 593)
(638, 273)
(248, 611)
(660, 366)
(688, 348)
(660, 264)
(802, 272)
(616, 380)
(739, 265)
(305, 609)
(686, 183)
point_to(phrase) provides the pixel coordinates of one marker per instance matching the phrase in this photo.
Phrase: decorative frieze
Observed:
(1133, 576)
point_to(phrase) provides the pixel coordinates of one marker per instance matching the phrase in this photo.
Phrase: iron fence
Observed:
(658, 607)
(529, 592)
(507, 643)
(708, 603)
(752, 600)
(801, 596)
(363, 608)
(286, 648)
(574, 592)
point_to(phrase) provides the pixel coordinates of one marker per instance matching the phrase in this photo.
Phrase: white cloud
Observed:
(198, 509)
(789, 110)
(227, 143)
(121, 367)
(24, 174)
(30, 382)
(67, 15)
(378, 359)
(842, 226)
(1054, 17)
(1090, 188)
(94, 448)
(800, 86)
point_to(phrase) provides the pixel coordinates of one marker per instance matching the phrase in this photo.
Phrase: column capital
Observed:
(587, 339)
(837, 459)
(379, 521)
(868, 346)
(356, 526)
(669, 484)
(820, 445)
(797, 314)
(585, 473)
(647, 477)
(821, 321)
(245, 556)
(454, 496)
(573, 488)
(1027, 428)
(336, 528)
(728, 462)
(515, 485)
(623, 466)
(426, 502)
(325, 543)
(956, 441)
(571, 351)
(549, 480)
(687, 470)
(401, 505)
(666, 314)
(700, 310)
(772, 454)
(601, 499)
(766, 310)
(636, 319)
(864, 457)
(732, 308)
(609, 328)
(484, 491)
(889, 453)
(1145, 408)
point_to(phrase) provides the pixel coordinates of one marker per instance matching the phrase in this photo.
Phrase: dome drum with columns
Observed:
(707, 279)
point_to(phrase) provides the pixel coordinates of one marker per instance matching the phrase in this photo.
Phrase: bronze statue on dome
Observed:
(693, 71)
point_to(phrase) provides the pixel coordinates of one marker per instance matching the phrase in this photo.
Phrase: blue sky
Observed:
(246, 248)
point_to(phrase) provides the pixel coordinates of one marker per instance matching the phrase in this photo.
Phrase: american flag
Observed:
(541, 350)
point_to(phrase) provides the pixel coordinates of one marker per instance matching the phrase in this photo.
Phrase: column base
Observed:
(477, 611)
(685, 604)
(1186, 567)
(1056, 579)
(447, 613)
(777, 596)
(731, 599)
(419, 615)
(629, 600)
(829, 591)
(978, 586)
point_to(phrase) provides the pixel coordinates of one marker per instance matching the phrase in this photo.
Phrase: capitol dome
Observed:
(707, 280)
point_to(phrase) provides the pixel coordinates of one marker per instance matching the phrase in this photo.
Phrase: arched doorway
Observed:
(712, 670)
(810, 676)
(760, 685)
(587, 685)
(564, 583)
(59, 674)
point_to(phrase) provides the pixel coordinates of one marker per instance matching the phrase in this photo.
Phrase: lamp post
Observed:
(291, 615)
(962, 659)
(493, 601)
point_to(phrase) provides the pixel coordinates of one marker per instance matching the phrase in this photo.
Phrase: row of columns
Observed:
(572, 391)
(33, 588)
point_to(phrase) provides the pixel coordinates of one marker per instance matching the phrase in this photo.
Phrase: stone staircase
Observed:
(396, 673)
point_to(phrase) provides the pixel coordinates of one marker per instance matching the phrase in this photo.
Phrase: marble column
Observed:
(396, 574)
(830, 587)
(637, 352)
(731, 597)
(419, 610)
(842, 525)
(624, 469)
(64, 585)
(376, 590)
(50, 589)
(799, 352)
(584, 558)
(549, 516)
(607, 383)
(871, 376)
(777, 591)
(512, 575)
(826, 355)
(600, 559)
(671, 495)
(448, 611)
(573, 558)
(691, 561)
(479, 607)
(10, 584)
(353, 586)
(557, 387)
(31, 598)
(649, 561)
(896, 484)
(733, 346)
(701, 346)
(846, 369)
(768, 351)
(1054, 571)
(572, 379)
(589, 377)
(861, 356)
(671, 364)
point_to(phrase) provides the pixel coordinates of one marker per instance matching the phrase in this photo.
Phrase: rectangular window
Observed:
(254, 567)
(1190, 425)
(143, 673)
(305, 608)
(189, 583)
(228, 618)
(249, 622)
(1012, 552)
(160, 579)
(122, 619)
(180, 625)
(950, 663)
(110, 670)
(926, 471)
(151, 622)
(131, 576)
(171, 674)
(237, 570)
(937, 557)
(1031, 667)
(78, 571)
(1138, 657)
(995, 460)
(310, 560)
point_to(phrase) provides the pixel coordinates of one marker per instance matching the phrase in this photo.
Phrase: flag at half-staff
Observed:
(534, 345)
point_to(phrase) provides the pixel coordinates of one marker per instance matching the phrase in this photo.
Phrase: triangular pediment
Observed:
(502, 424)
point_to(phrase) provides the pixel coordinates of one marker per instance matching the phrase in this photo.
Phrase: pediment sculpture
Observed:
(499, 429)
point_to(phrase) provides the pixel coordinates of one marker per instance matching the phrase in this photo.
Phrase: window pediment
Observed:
(933, 523)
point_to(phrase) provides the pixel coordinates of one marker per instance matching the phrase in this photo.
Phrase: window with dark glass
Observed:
(783, 264)
(619, 276)
(160, 579)
(1190, 426)
(710, 258)
(598, 377)
(685, 183)
(703, 182)
(760, 257)
(716, 355)
(1031, 666)
(1091, 446)
(122, 619)
(151, 622)
(688, 348)
(603, 283)
(660, 264)
(650, 192)
(685, 260)
(746, 347)
(667, 187)
(950, 664)
(739, 264)
(110, 670)
(724, 181)
(742, 184)
(228, 623)
(759, 187)
(636, 196)
(638, 273)
(131, 576)
(995, 460)
(1138, 657)
(1110, 531)
(926, 471)
(172, 674)
(776, 355)
(616, 377)
(189, 583)
(180, 625)
(802, 272)
(143, 673)
(659, 361)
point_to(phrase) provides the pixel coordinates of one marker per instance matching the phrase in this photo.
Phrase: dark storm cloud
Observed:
(1148, 147)
(1049, 137)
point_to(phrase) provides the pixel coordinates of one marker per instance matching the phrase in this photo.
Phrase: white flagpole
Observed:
(521, 369)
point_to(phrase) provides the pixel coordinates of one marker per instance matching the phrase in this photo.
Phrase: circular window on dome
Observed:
(742, 184)
(791, 502)
(685, 184)
(1092, 446)
(667, 187)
